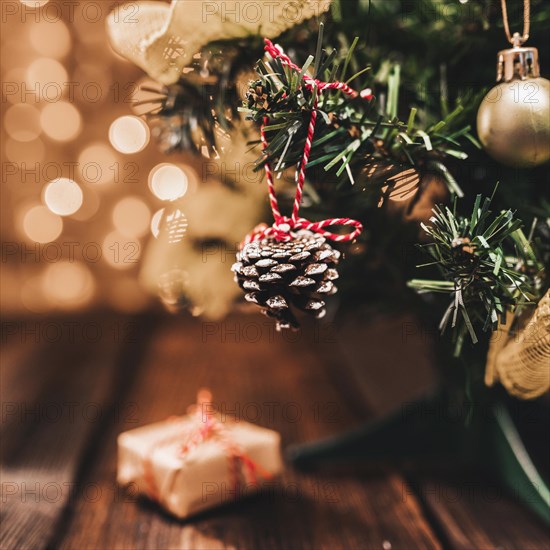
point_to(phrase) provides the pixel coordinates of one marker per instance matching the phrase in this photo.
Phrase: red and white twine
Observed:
(207, 427)
(283, 225)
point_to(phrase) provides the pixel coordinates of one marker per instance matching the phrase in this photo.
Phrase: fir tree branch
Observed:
(487, 265)
(352, 133)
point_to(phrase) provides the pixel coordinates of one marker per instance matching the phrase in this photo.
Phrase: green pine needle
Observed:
(487, 266)
(350, 132)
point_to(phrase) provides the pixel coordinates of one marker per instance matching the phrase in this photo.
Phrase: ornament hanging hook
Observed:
(517, 40)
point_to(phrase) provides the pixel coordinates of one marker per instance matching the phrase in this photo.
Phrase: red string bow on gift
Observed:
(283, 225)
(207, 427)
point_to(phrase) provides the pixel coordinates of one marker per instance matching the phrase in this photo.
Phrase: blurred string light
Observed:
(156, 221)
(170, 224)
(41, 225)
(61, 121)
(50, 38)
(98, 164)
(67, 284)
(32, 295)
(402, 186)
(120, 251)
(175, 226)
(63, 196)
(129, 134)
(131, 217)
(168, 182)
(48, 76)
(22, 122)
(34, 3)
(37, 116)
(90, 205)
(11, 82)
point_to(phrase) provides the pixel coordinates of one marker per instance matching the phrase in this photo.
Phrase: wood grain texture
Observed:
(465, 510)
(58, 395)
(298, 385)
(475, 513)
(277, 384)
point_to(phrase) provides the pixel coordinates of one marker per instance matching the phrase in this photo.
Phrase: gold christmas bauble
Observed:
(513, 122)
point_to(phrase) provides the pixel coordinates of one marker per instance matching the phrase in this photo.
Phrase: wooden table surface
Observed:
(70, 386)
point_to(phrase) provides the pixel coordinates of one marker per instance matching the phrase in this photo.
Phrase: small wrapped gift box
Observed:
(195, 462)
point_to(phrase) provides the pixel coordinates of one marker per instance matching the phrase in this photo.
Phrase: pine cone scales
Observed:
(257, 96)
(280, 275)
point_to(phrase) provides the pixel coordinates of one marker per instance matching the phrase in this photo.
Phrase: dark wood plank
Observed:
(331, 509)
(56, 395)
(466, 512)
(338, 509)
(474, 513)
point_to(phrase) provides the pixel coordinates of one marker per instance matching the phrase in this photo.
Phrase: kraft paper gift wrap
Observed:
(186, 483)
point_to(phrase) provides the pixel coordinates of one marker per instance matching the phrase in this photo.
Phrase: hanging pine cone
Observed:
(280, 275)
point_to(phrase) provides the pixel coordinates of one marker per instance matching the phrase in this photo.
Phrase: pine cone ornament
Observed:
(290, 266)
(279, 276)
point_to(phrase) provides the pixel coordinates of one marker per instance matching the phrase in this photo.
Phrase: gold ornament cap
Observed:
(517, 63)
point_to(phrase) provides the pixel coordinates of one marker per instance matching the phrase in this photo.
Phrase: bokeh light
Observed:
(169, 224)
(403, 185)
(66, 187)
(69, 285)
(63, 196)
(90, 205)
(155, 222)
(129, 134)
(168, 182)
(34, 3)
(22, 122)
(50, 38)
(33, 297)
(49, 76)
(11, 83)
(120, 251)
(131, 216)
(98, 164)
(41, 225)
(61, 121)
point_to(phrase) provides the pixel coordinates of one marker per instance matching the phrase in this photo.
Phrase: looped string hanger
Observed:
(283, 225)
(517, 40)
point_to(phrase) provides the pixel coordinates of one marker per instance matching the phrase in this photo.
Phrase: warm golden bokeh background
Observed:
(83, 185)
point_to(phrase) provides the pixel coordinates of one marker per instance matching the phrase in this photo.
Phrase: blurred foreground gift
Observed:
(191, 463)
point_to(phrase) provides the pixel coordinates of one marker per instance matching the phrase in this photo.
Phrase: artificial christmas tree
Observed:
(363, 123)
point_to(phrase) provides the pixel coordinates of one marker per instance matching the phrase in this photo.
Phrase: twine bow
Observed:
(283, 225)
(207, 428)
